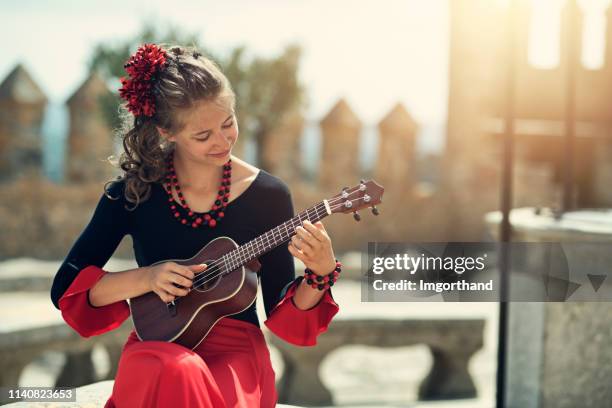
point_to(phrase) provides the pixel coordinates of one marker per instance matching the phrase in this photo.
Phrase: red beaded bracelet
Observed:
(323, 282)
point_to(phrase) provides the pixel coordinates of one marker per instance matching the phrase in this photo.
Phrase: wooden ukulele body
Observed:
(191, 317)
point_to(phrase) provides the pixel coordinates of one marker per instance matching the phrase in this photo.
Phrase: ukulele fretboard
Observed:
(273, 238)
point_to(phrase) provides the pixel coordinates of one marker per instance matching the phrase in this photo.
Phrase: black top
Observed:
(157, 235)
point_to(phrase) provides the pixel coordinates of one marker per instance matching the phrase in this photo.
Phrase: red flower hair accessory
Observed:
(142, 67)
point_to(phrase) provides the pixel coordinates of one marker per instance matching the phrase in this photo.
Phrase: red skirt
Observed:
(230, 368)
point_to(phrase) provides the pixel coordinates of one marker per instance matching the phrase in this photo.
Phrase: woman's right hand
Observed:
(162, 278)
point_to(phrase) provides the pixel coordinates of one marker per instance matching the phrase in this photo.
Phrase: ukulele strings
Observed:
(217, 264)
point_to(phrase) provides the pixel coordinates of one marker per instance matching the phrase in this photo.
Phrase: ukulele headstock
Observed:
(351, 199)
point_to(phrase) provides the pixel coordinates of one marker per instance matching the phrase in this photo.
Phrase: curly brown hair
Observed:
(190, 77)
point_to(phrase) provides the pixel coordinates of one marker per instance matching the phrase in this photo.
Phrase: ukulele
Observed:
(229, 284)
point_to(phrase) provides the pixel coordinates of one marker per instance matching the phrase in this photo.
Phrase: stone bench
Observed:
(31, 326)
(90, 396)
(452, 343)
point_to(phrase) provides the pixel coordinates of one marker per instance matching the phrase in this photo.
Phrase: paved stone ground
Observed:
(358, 376)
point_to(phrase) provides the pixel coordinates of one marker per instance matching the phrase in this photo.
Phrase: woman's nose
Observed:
(224, 140)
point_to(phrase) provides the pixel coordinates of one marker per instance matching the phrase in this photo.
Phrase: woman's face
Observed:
(210, 128)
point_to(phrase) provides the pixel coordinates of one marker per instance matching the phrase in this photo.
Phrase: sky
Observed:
(374, 54)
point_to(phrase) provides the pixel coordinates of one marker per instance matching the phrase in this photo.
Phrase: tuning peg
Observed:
(345, 188)
(375, 210)
(356, 216)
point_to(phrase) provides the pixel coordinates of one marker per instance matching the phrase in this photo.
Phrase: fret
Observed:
(259, 242)
(229, 261)
(299, 221)
(287, 229)
(317, 215)
(263, 239)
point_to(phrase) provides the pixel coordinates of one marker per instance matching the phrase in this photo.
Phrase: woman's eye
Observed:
(229, 125)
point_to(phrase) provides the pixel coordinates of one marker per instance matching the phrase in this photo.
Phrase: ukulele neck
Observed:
(274, 237)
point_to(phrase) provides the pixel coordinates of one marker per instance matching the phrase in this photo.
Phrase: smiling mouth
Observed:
(219, 154)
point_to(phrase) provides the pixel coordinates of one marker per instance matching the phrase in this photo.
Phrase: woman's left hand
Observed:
(313, 247)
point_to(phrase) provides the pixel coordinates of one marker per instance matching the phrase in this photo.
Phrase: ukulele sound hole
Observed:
(204, 281)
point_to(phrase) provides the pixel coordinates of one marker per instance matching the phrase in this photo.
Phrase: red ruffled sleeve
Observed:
(297, 326)
(78, 312)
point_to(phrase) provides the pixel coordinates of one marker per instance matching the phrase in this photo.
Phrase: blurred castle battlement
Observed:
(62, 209)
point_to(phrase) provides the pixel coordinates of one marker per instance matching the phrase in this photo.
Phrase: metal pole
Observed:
(570, 111)
(506, 205)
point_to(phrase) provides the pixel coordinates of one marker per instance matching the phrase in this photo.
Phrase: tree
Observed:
(266, 88)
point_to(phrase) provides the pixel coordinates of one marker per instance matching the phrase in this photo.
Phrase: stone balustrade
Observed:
(452, 343)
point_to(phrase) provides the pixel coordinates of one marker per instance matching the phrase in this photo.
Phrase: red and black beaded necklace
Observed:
(192, 218)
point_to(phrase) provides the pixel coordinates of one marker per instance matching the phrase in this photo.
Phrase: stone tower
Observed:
(395, 166)
(340, 131)
(22, 106)
(282, 147)
(90, 140)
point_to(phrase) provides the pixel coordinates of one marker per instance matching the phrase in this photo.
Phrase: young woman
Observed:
(181, 188)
